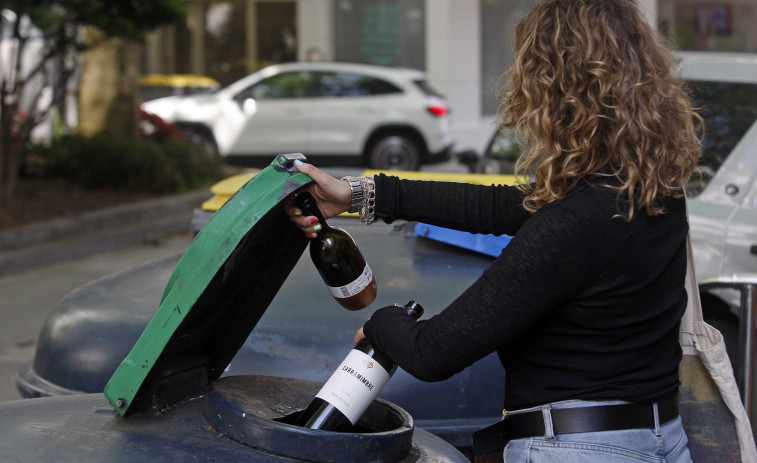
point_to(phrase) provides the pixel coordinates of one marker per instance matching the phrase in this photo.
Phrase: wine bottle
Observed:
(352, 387)
(338, 260)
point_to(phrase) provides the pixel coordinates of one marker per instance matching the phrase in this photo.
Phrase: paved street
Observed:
(27, 298)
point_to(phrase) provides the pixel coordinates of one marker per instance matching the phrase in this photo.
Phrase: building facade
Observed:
(463, 45)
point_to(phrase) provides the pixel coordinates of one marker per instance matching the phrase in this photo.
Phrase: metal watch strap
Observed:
(367, 212)
(357, 194)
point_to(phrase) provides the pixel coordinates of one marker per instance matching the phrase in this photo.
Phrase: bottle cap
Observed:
(414, 309)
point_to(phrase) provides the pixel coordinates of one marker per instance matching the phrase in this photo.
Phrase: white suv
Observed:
(335, 113)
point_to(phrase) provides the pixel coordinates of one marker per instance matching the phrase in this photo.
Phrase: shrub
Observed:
(109, 161)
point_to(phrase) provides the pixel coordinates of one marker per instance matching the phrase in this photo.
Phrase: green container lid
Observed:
(216, 295)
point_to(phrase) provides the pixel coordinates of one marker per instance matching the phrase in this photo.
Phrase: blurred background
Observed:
(463, 45)
(73, 74)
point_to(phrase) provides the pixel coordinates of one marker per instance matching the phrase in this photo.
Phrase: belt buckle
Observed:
(504, 413)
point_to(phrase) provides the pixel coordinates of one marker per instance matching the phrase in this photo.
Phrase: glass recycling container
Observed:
(167, 402)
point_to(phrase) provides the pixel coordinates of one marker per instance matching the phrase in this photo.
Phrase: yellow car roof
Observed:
(178, 80)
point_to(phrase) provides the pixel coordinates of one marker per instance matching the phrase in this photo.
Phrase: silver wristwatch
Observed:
(356, 188)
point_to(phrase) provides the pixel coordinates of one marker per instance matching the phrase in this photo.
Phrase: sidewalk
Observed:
(26, 298)
(41, 263)
(38, 245)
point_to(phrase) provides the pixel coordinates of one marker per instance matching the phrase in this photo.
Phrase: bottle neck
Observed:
(413, 309)
(306, 202)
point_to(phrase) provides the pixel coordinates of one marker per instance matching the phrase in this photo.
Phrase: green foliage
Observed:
(115, 18)
(57, 26)
(126, 18)
(109, 161)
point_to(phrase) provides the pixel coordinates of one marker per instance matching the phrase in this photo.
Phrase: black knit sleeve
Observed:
(543, 266)
(473, 208)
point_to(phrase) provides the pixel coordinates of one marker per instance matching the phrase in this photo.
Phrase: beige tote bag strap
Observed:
(693, 314)
(699, 338)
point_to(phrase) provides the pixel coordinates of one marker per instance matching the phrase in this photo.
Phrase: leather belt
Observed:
(572, 420)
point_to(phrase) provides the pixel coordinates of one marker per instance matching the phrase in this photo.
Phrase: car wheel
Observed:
(202, 139)
(395, 152)
(489, 167)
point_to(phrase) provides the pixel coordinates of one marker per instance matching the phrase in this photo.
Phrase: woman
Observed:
(584, 305)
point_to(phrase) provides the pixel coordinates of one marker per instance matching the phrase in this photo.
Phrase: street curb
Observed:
(42, 244)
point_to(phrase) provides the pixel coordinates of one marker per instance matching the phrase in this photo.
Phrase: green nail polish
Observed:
(317, 227)
(298, 213)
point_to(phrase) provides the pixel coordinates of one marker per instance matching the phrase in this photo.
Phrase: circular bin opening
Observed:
(258, 411)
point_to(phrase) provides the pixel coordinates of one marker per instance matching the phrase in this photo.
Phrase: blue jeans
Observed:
(665, 443)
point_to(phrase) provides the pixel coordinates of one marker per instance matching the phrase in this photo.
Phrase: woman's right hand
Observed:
(332, 195)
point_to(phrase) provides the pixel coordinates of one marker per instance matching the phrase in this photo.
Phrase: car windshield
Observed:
(728, 109)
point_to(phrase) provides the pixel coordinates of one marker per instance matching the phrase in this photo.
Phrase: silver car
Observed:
(722, 215)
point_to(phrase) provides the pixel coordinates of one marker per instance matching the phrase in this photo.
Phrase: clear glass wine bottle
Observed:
(352, 387)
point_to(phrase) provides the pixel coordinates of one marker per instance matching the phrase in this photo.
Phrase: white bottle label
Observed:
(357, 285)
(354, 385)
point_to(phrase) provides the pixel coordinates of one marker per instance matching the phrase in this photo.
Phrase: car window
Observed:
(347, 84)
(728, 109)
(295, 84)
(427, 89)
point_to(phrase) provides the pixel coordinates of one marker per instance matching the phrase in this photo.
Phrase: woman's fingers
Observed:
(313, 172)
(359, 336)
(333, 195)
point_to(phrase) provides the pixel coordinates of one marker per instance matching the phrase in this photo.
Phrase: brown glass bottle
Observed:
(339, 261)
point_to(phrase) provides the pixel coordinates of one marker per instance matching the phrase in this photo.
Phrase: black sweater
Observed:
(579, 305)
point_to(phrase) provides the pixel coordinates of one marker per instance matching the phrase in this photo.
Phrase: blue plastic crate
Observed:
(486, 244)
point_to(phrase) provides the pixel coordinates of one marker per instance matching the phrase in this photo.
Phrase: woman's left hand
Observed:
(359, 336)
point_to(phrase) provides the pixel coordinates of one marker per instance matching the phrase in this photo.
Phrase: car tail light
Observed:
(438, 110)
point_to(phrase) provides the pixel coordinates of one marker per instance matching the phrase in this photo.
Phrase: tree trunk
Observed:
(108, 89)
(6, 152)
(11, 147)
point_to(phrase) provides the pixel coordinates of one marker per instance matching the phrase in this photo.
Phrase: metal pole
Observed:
(746, 344)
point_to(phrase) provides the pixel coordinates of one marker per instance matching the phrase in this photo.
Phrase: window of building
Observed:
(225, 40)
(498, 19)
(710, 25)
(276, 32)
(383, 32)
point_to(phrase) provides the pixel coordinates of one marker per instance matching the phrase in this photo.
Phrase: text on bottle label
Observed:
(354, 385)
(354, 287)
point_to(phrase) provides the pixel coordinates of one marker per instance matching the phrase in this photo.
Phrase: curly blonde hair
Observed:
(590, 93)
